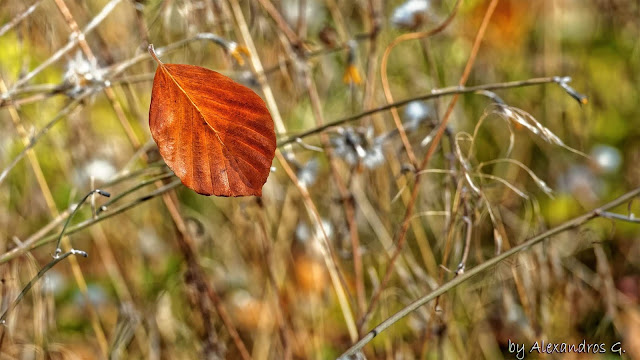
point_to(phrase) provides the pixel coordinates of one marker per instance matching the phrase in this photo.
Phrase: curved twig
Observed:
(487, 265)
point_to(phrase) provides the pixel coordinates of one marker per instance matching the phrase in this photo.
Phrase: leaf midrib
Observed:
(164, 68)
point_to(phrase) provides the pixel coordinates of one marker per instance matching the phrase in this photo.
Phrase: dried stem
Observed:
(106, 10)
(568, 225)
(16, 20)
(330, 262)
(401, 235)
(436, 93)
(38, 276)
(345, 195)
(385, 79)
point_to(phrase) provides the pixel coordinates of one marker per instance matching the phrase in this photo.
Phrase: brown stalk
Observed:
(108, 91)
(329, 259)
(281, 23)
(53, 210)
(345, 195)
(400, 238)
(18, 19)
(394, 163)
(456, 281)
(385, 80)
(184, 241)
(198, 277)
(330, 262)
(279, 305)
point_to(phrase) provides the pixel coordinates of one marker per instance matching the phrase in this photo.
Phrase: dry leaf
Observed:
(215, 134)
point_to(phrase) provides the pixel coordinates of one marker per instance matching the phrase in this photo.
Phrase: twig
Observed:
(106, 10)
(282, 23)
(332, 267)
(385, 79)
(75, 210)
(40, 237)
(32, 142)
(573, 223)
(256, 65)
(401, 235)
(345, 195)
(139, 185)
(283, 327)
(436, 93)
(17, 19)
(614, 216)
(41, 273)
(196, 276)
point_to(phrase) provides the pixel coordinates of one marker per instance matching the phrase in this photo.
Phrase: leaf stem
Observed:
(152, 51)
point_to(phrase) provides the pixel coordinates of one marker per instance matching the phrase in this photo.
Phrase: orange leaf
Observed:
(215, 134)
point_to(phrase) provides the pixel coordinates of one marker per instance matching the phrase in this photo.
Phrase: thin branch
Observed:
(40, 238)
(436, 93)
(573, 223)
(106, 10)
(614, 216)
(75, 210)
(139, 185)
(38, 276)
(64, 112)
(17, 19)
(330, 262)
(401, 235)
(385, 80)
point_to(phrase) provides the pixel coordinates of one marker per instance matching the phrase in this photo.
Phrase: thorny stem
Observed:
(573, 223)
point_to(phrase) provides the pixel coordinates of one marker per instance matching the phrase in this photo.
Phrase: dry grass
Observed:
(370, 206)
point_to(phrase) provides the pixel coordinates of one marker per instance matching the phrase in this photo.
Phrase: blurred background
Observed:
(293, 285)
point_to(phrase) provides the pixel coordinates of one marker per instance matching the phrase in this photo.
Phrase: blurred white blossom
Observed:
(411, 14)
(308, 173)
(53, 282)
(82, 74)
(416, 112)
(606, 159)
(149, 243)
(313, 238)
(359, 146)
(101, 170)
